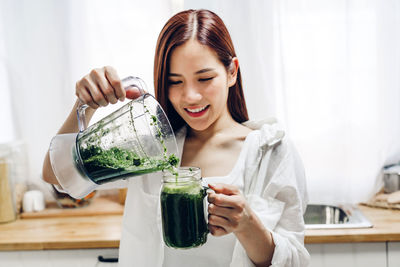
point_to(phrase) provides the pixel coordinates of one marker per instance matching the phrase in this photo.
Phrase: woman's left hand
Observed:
(228, 210)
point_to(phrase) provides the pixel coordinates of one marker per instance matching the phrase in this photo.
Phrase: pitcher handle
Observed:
(128, 82)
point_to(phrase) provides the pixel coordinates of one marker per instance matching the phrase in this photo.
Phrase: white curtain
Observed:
(329, 71)
(47, 45)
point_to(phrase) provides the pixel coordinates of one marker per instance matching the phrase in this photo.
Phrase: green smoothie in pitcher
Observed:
(134, 140)
(182, 209)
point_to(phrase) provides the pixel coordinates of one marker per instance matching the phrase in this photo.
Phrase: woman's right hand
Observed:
(102, 86)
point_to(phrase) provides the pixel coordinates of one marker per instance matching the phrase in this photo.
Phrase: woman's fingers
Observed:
(113, 79)
(83, 93)
(221, 200)
(231, 217)
(87, 98)
(226, 189)
(104, 86)
(217, 220)
(220, 225)
(216, 230)
(228, 208)
(132, 93)
(120, 92)
(94, 91)
(100, 87)
(225, 212)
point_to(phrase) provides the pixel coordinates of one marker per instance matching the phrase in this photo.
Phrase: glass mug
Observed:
(183, 208)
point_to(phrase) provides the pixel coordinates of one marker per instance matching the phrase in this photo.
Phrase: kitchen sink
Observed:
(320, 216)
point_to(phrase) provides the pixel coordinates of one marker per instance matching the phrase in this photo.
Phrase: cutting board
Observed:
(383, 200)
(98, 206)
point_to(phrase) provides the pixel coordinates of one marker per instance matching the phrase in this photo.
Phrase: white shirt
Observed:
(271, 176)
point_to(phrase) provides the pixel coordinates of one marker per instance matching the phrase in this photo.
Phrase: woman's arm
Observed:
(230, 212)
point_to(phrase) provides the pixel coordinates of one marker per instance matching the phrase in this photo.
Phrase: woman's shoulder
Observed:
(267, 132)
(283, 167)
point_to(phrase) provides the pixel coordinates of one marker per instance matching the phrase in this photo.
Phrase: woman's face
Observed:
(198, 85)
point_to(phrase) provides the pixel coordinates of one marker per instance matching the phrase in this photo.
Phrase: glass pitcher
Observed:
(183, 208)
(135, 139)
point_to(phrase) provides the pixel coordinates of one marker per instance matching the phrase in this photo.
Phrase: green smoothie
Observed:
(182, 209)
(106, 165)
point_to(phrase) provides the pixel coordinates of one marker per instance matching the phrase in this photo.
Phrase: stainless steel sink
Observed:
(320, 216)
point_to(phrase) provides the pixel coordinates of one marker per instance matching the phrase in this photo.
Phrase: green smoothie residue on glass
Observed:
(189, 189)
(103, 165)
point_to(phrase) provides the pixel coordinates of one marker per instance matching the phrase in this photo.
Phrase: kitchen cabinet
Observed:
(393, 254)
(322, 255)
(59, 258)
(349, 254)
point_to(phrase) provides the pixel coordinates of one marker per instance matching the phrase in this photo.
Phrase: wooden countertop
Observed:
(100, 231)
(97, 225)
(104, 231)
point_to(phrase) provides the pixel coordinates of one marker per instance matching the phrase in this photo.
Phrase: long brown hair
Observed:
(209, 30)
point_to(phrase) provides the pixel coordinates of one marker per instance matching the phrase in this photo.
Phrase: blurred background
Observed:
(328, 70)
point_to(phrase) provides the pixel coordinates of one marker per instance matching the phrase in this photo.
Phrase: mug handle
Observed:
(206, 188)
(128, 82)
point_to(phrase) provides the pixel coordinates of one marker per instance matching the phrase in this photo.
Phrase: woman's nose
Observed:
(191, 94)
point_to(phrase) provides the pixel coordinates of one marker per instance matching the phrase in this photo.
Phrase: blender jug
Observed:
(133, 140)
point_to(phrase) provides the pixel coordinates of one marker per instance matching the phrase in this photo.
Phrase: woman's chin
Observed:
(197, 126)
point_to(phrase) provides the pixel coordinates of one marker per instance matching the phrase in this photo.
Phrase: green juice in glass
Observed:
(182, 209)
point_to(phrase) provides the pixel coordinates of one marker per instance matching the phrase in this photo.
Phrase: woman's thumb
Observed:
(132, 93)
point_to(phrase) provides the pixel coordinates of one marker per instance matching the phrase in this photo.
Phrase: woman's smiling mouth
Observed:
(197, 112)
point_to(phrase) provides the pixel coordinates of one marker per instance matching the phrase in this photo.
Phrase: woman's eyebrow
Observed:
(204, 70)
(197, 72)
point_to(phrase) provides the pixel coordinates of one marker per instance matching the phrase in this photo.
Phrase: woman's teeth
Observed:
(196, 109)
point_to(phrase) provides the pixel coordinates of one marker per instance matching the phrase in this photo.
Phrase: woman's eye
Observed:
(206, 79)
(174, 82)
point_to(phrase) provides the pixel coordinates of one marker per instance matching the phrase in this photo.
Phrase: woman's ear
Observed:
(232, 71)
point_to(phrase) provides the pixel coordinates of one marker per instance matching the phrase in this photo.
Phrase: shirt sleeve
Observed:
(286, 187)
(70, 179)
(275, 188)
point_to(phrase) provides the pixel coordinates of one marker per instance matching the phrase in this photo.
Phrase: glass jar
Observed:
(7, 209)
(183, 208)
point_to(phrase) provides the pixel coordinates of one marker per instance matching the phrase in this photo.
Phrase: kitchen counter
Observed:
(386, 227)
(104, 231)
(99, 231)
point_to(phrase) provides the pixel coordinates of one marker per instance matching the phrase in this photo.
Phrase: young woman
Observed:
(255, 215)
